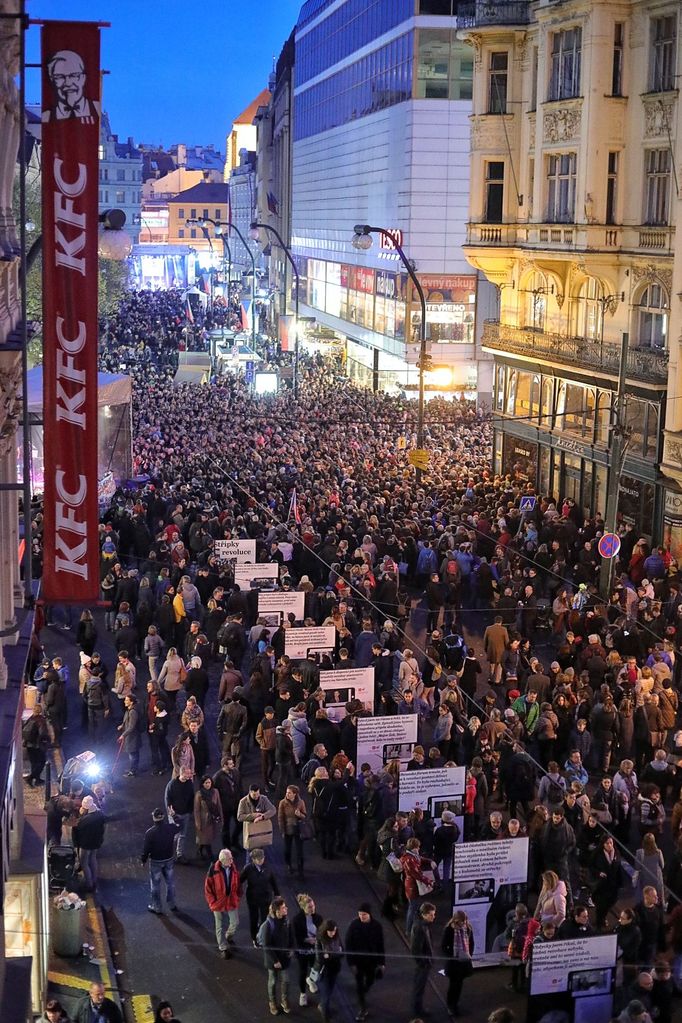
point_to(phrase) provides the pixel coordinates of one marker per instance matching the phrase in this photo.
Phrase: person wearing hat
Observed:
(159, 848)
(365, 954)
(88, 838)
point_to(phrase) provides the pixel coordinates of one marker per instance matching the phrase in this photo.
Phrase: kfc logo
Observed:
(66, 72)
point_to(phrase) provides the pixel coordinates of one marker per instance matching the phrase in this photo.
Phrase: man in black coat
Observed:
(95, 1007)
(421, 948)
(159, 847)
(365, 954)
(88, 838)
(261, 886)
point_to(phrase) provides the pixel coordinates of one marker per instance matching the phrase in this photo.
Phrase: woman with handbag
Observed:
(457, 944)
(305, 925)
(208, 817)
(328, 961)
(416, 880)
(291, 816)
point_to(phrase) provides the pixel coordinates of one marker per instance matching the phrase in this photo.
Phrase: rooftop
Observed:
(206, 191)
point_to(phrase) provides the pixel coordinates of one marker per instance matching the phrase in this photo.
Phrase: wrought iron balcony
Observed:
(480, 13)
(644, 364)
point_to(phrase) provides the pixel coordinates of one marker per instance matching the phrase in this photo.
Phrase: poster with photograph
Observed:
(347, 684)
(298, 643)
(274, 607)
(433, 790)
(383, 739)
(235, 550)
(489, 879)
(247, 573)
(583, 967)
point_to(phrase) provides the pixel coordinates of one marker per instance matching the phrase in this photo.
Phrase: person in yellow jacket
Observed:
(180, 619)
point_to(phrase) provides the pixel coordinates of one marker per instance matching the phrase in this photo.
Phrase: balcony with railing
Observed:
(644, 364)
(575, 237)
(481, 13)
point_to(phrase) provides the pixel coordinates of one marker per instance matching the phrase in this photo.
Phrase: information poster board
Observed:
(246, 573)
(583, 968)
(235, 550)
(299, 643)
(489, 879)
(383, 739)
(346, 684)
(433, 790)
(274, 607)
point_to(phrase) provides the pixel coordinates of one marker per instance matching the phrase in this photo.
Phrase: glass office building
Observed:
(381, 136)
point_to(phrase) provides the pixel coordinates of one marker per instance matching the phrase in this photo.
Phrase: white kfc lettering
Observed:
(67, 249)
(73, 559)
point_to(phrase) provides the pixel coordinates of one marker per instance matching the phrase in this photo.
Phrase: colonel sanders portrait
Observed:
(66, 72)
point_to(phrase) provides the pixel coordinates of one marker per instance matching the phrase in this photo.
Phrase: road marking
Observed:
(100, 939)
(142, 1008)
(68, 980)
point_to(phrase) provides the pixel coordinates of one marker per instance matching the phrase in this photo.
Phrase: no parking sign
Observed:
(609, 545)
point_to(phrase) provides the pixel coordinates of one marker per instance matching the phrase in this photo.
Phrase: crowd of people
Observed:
(562, 704)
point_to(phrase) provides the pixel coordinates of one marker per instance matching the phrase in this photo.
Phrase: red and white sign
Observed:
(70, 140)
(388, 239)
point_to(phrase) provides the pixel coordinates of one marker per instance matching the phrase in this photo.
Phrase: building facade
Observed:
(382, 99)
(23, 882)
(574, 138)
(203, 201)
(273, 169)
(120, 177)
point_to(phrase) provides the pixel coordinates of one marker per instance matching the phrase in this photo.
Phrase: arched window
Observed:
(535, 311)
(589, 311)
(652, 325)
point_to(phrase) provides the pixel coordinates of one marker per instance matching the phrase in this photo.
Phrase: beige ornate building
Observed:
(575, 158)
(10, 353)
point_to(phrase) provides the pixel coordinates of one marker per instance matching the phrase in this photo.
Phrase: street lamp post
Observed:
(219, 225)
(255, 226)
(362, 239)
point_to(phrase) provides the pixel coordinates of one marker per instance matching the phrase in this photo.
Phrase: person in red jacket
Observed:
(223, 891)
(414, 865)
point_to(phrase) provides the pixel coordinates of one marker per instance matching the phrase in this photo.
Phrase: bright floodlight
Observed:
(114, 244)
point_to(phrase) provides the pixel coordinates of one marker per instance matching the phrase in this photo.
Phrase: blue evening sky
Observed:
(180, 71)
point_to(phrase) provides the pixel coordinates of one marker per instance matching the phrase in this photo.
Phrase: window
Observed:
(657, 184)
(494, 192)
(663, 47)
(205, 214)
(534, 80)
(100, 194)
(181, 213)
(531, 187)
(105, 174)
(446, 7)
(120, 196)
(445, 66)
(216, 215)
(653, 318)
(536, 292)
(101, 152)
(565, 76)
(589, 310)
(136, 218)
(192, 232)
(120, 174)
(611, 182)
(192, 214)
(617, 63)
(181, 232)
(497, 86)
(561, 188)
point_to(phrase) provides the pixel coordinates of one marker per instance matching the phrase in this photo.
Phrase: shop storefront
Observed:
(672, 522)
(450, 309)
(360, 364)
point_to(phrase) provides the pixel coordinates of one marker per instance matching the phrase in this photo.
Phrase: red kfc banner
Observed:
(70, 141)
